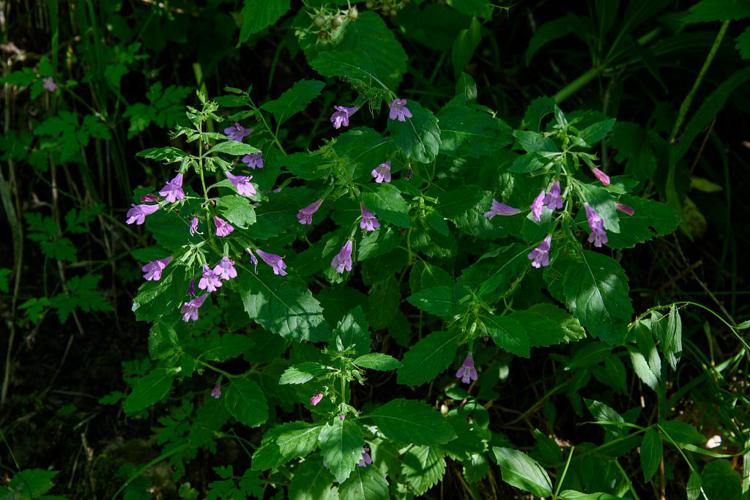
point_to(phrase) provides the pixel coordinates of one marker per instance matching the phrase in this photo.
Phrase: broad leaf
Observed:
(427, 358)
(522, 471)
(341, 445)
(149, 390)
(419, 136)
(245, 401)
(409, 421)
(294, 100)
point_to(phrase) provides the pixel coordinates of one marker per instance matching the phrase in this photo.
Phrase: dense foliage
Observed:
(387, 249)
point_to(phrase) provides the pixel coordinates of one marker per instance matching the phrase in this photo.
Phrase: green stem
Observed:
(698, 79)
(564, 473)
(577, 84)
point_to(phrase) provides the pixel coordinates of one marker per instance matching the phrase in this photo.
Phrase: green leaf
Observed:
(554, 30)
(595, 290)
(651, 452)
(721, 481)
(245, 401)
(718, 10)
(467, 132)
(4, 277)
(743, 43)
(353, 331)
(341, 445)
(464, 46)
(378, 361)
(577, 495)
(283, 306)
(369, 54)
(312, 481)
(237, 210)
(365, 483)
(157, 298)
(294, 100)
(596, 131)
(302, 373)
(682, 432)
(167, 154)
(409, 421)
(508, 334)
(441, 301)
(149, 389)
(419, 136)
(650, 219)
(386, 202)
(547, 324)
(634, 150)
(257, 15)
(82, 294)
(693, 488)
(285, 442)
(428, 358)
(31, 483)
(423, 467)
(234, 148)
(522, 471)
(670, 336)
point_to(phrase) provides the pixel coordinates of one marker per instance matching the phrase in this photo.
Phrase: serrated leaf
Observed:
(294, 100)
(149, 390)
(419, 136)
(650, 453)
(237, 210)
(353, 331)
(285, 442)
(467, 132)
(464, 45)
(520, 470)
(302, 373)
(234, 148)
(409, 421)
(312, 481)
(245, 401)
(257, 15)
(377, 361)
(167, 154)
(595, 290)
(428, 358)
(341, 446)
(441, 301)
(650, 219)
(422, 467)
(386, 202)
(365, 483)
(508, 334)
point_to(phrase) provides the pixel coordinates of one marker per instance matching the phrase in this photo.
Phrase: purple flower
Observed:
(275, 261)
(193, 226)
(253, 160)
(210, 281)
(537, 206)
(152, 270)
(316, 398)
(627, 209)
(253, 259)
(603, 178)
(190, 308)
(398, 110)
(382, 173)
(598, 235)
(340, 117)
(304, 215)
(49, 84)
(369, 222)
(343, 260)
(467, 372)
(172, 190)
(553, 200)
(366, 458)
(216, 391)
(137, 213)
(539, 257)
(498, 208)
(237, 132)
(191, 288)
(242, 184)
(225, 269)
(223, 228)
(149, 198)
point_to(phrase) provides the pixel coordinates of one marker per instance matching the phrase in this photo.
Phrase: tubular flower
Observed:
(552, 199)
(149, 198)
(216, 391)
(225, 269)
(539, 257)
(304, 215)
(603, 178)
(49, 84)
(137, 213)
(253, 160)
(369, 222)
(275, 261)
(498, 208)
(316, 398)
(152, 270)
(190, 308)
(626, 209)
(253, 259)
(537, 206)
(366, 458)
(382, 173)
(223, 228)
(193, 226)
(191, 288)
(598, 235)
(172, 190)
(398, 110)
(343, 260)
(467, 373)
(242, 184)
(340, 117)
(237, 132)
(209, 281)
